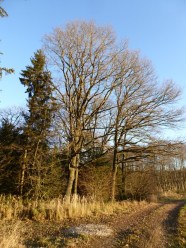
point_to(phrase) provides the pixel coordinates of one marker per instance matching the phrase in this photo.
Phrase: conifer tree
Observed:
(10, 152)
(37, 81)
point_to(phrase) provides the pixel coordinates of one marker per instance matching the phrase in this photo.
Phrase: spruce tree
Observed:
(38, 83)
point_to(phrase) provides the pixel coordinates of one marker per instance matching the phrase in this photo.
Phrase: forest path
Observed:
(154, 226)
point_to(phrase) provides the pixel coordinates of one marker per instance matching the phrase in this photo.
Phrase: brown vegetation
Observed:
(89, 137)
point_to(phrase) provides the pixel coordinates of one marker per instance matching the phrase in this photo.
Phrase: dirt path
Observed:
(151, 227)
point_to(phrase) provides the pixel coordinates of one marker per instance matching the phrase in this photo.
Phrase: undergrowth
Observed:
(59, 209)
(15, 213)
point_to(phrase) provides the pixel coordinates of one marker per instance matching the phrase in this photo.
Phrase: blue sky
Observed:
(155, 27)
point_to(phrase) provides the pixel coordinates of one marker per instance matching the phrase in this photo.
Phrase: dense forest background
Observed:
(93, 123)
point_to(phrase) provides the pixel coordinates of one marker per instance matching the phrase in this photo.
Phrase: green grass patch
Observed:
(170, 196)
(182, 227)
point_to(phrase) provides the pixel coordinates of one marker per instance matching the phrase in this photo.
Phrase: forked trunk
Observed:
(73, 177)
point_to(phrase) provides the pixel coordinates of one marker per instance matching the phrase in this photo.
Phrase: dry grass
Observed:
(16, 213)
(10, 236)
(12, 208)
(172, 195)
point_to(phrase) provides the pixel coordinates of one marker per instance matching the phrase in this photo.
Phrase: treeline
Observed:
(94, 114)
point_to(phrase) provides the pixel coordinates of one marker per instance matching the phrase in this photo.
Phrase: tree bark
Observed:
(70, 183)
(124, 172)
(114, 174)
(23, 173)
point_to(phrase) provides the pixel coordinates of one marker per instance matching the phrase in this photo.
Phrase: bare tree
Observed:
(170, 166)
(96, 79)
(84, 56)
(143, 107)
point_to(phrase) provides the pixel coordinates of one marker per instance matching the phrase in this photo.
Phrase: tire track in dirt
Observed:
(121, 224)
(149, 227)
(151, 231)
(171, 225)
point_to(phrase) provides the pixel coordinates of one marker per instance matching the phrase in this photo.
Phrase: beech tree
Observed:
(143, 107)
(96, 79)
(170, 166)
(84, 56)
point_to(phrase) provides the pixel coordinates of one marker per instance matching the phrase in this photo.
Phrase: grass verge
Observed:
(12, 208)
(26, 223)
(182, 227)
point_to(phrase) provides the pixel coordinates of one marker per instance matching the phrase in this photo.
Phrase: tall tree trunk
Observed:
(73, 176)
(36, 167)
(123, 178)
(70, 183)
(114, 174)
(76, 174)
(124, 173)
(23, 173)
(76, 181)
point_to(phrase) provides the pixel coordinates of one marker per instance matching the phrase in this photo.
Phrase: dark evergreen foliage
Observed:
(38, 83)
(41, 105)
(11, 141)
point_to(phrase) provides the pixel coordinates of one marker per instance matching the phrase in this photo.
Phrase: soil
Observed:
(154, 226)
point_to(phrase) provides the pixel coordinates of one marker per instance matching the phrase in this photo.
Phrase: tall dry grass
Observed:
(12, 208)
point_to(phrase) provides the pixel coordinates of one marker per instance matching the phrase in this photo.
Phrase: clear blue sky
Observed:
(155, 27)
